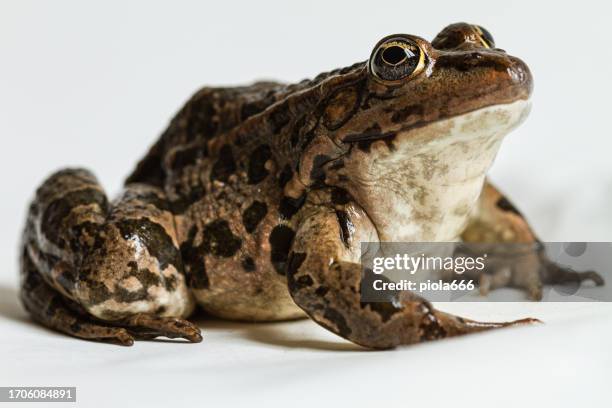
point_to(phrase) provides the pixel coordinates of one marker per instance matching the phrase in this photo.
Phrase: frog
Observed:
(252, 204)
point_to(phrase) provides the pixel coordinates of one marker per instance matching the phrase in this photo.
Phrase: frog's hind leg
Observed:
(496, 220)
(51, 309)
(101, 271)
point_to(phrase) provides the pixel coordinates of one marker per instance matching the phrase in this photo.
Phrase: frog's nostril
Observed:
(394, 55)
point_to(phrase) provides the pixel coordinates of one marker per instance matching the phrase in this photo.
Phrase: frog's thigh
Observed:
(234, 251)
(107, 266)
(496, 219)
(324, 279)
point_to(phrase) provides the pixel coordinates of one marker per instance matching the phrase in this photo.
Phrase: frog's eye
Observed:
(396, 58)
(484, 36)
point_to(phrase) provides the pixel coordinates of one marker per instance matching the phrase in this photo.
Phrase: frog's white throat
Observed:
(427, 186)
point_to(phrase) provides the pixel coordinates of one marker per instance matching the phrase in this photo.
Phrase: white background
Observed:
(93, 85)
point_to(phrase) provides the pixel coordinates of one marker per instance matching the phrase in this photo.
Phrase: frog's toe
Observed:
(558, 274)
(593, 276)
(147, 326)
(534, 290)
(114, 335)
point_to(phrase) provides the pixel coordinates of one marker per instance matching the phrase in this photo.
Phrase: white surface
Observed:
(93, 85)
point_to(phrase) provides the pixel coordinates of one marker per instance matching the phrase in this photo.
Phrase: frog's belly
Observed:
(254, 296)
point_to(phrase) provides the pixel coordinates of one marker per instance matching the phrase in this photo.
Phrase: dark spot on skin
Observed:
(48, 260)
(55, 305)
(365, 139)
(194, 262)
(402, 115)
(67, 279)
(253, 108)
(321, 291)
(200, 123)
(82, 236)
(170, 282)
(340, 196)
(124, 295)
(337, 164)
(144, 276)
(338, 320)
(252, 216)
(29, 270)
(340, 107)
(186, 157)
(297, 128)
(389, 143)
(60, 208)
(346, 227)
(304, 281)
(219, 239)
(294, 262)
(293, 265)
(250, 109)
(97, 291)
(189, 194)
(195, 269)
(505, 205)
(75, 327)
(289, 206)
(284, 176)
(280, 117)
(300, 283)
(257, 165)
(385, 310)
(225, 164)
(280, 240)
(137, 197)
(154, 237)
(307, 138)
(248, 264)
(318, 173)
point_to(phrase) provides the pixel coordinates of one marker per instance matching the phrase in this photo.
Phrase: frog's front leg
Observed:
(496, 220)
(324, 276)
(104, 272)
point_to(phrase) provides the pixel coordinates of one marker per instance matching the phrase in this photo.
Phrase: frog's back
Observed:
(225, 196)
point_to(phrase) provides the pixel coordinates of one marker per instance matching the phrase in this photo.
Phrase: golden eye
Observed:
(484, 36)
(396, 58)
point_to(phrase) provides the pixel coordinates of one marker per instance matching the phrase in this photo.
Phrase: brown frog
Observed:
(254, 201)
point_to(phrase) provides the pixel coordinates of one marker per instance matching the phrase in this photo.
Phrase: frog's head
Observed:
(412, 132)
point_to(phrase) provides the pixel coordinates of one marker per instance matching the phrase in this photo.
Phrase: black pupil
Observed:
(394, 55)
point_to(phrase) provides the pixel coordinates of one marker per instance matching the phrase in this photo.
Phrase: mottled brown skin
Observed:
(253, 203)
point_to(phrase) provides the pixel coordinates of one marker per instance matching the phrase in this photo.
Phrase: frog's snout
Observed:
(520, 75)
